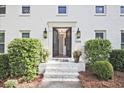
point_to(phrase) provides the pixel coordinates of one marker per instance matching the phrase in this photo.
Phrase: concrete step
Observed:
(61, 75)
(61, 70)
(63, 64)
(61, 79)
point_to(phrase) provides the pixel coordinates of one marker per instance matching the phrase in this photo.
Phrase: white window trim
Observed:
(101, 31)
(101, 14)
(25, 31)
(57, 14)
(24, 15)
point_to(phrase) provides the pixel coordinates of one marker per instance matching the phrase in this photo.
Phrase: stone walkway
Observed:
(60, 84)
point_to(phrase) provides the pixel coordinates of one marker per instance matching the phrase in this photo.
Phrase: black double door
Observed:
(56, 42)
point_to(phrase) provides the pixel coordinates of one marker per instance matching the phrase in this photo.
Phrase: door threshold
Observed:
(63, 59)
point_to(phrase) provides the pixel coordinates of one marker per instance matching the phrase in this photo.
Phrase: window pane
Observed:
(1, 37)
(122, 9)
(62, 9)
(99, 35)
(99, 9)
(25, 9)
(25, 35)
(1, 48)
(2, 9)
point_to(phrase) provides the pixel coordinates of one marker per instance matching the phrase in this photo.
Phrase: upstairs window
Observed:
(100, 9)
(2, 9)
(25, 9)
(121, 9)
(62, 9)
(25, 35)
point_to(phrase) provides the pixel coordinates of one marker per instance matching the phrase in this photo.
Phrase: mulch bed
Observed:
(89, 80)
(32, 84)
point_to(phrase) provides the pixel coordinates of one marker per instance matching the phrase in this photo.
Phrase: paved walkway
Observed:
(60, 84)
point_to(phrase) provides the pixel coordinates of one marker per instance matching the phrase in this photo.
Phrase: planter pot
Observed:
(76, 60)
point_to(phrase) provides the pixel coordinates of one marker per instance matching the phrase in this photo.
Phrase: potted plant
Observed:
(76, 55)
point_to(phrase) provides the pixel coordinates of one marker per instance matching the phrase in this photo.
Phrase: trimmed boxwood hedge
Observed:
(24, 56)
(97, 50)
(117, 59)
(103, 69)
(4, 66)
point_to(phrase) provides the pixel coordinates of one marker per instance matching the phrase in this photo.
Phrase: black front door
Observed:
(67, 42)
(55, 43)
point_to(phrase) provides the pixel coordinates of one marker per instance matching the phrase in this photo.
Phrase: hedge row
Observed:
(117, 59)
(4, 66)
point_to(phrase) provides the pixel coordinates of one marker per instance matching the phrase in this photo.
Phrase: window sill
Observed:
(62, 15)
(24, 15)
(99, 14)
(121, 14)
(2, 15)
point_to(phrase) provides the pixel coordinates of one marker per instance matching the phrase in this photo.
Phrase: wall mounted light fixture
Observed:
(45, 33)
(78, 33)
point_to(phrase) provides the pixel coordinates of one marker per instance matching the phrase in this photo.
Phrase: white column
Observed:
(50, 42)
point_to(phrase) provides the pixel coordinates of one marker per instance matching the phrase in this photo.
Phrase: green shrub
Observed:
(103, 69)
(24, 57)
(97, 49)
(117, 59)
(4, 66)
(10, 84)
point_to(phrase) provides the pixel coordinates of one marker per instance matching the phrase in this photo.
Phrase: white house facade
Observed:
(63, 28)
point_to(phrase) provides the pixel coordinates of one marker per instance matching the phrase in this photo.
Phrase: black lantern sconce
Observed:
(45, 34)
(78, 34)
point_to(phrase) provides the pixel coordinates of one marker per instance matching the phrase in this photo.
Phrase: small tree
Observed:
(97, 50)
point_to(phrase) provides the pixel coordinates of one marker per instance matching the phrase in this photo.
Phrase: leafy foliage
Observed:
(44, 55)
(117, 59)
(4, 66)
(103, 69)
(24, 56)
(10, 84)
(97, 49)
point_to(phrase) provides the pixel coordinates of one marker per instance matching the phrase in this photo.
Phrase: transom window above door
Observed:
(25, 9)
(62, 10)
